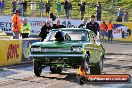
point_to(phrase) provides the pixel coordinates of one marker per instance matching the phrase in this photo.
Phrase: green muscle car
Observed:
(68, 47)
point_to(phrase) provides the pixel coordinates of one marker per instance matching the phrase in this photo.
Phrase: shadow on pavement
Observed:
(118, 54)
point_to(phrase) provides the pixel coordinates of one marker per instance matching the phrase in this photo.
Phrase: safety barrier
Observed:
(14, 51)
(128, 24)
(10, 51)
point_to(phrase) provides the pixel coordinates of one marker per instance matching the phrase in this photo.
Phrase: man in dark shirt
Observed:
(24, 7)
(82, 8)
(47, 6)
(92, 25)
(98, 11)
(58, 25)
(45, 30)
(120, 15)
(13, 5)
(66, 7)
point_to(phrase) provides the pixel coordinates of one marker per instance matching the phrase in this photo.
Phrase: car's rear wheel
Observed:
(97, 68)
(37, 68)
(55, 70)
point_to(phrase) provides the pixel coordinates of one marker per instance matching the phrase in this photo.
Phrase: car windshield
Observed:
(75, 35)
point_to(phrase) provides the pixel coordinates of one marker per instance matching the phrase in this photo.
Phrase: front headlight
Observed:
(36, 49)
(77, 49)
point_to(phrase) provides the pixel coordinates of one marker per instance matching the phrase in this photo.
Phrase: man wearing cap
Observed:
(92, 25)
(16, 25)
(25, 29)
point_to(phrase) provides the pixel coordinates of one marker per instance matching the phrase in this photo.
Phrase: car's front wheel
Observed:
(37, 68)
(97, 68)
(56, 70)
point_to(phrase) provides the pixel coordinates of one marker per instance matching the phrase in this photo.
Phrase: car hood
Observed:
(58, 44)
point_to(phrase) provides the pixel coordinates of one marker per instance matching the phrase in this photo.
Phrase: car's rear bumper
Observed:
(56, 55)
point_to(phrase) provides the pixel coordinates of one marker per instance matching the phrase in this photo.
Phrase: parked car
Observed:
(68, 47)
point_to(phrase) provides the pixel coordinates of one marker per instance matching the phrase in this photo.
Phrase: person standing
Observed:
(98, 11)
(70, 9)
(58, 8)
(33, 8)
(110, 29)
(66, 8)
(13, 6)
(48, 6)
(58, 25)
(83, 24)
(20, 7)
(82, 9)
(120, 15)
(25, 29)
(103, 28)
(126, 16)
(93, 26)
(2, 6)
(24, 3)
(41, 7)
(45, 30)
(16, 25)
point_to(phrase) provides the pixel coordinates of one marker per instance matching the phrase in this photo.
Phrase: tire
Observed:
(37, 68)
(97, 69)
(56, 70)
(82, 80)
